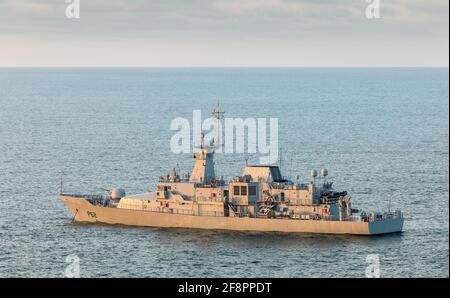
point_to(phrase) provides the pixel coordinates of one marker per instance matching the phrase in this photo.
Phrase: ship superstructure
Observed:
(260, 199)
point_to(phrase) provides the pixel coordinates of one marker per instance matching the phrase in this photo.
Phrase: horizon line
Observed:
(217, 66)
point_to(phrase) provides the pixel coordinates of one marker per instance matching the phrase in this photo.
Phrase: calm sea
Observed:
(383, 134)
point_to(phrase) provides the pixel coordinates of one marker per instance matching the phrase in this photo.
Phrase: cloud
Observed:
(176, 15)
(288, 24)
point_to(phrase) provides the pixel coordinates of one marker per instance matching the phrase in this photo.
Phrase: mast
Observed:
(218, 114)
(280, 159)
(203, 171)
(61, 183)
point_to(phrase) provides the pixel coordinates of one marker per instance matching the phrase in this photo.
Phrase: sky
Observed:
(228, 33)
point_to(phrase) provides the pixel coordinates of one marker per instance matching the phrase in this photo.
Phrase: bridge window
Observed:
(252, 190)
(243, 190)
(236, 191)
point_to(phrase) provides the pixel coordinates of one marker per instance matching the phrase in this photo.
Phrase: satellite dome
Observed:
(323, 172)
(313, 173)
(117, 193)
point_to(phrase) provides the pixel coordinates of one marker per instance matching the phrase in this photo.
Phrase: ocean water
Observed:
(382, 133)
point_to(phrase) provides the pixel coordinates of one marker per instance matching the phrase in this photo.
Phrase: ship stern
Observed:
(387, 226)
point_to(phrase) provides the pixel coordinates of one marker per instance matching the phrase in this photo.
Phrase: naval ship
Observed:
(259, 200)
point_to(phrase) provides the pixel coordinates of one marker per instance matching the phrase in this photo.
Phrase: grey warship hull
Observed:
(83, 211)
